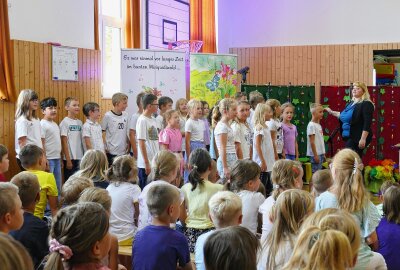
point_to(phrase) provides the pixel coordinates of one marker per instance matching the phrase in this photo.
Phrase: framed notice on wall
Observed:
(64, 63)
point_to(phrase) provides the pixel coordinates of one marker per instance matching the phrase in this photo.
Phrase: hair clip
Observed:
(313, 240)
(357, 166)
(194, 167)
(276, 186)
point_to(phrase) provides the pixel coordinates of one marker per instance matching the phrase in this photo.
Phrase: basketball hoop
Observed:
(188, 46)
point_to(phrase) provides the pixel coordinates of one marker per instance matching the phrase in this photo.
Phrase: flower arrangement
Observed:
(379, 171)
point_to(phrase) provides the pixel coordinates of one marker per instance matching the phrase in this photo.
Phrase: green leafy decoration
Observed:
(326, 99)
(295, 101)
(382, 91)
(347, 98)
(381, 140)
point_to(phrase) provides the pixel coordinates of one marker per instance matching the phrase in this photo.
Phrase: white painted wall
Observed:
(69, 22)
(260, 23)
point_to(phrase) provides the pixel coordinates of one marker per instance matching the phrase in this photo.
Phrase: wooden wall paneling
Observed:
(287, 77)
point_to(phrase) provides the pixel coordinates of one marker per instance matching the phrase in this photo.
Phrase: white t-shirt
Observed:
(267, 148)
(123, 195)
(265, 210)
(283, 255)
(222, 128)
(146, 129)
(132, 125)
(243, 135)
(160, 122)
(52, 139)
(116, 127)
(315, 129)
(251, 201)
(196, 129)
(72, 129)
(93, 131)
(275, 125)
(182, 121)
(29, 129)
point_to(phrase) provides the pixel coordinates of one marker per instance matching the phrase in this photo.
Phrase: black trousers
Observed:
(350, 143)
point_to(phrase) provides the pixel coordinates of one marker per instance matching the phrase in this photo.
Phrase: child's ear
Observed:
(37, 198)
(7, 218)
(240, 219)
(96, 250)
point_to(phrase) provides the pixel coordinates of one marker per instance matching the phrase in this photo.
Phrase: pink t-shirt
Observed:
(172, 137)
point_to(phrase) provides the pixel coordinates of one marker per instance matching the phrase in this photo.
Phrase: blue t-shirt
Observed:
(346, 116)
(389, 243)
(159, 247)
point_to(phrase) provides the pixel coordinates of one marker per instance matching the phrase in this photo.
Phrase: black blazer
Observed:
(360, 121)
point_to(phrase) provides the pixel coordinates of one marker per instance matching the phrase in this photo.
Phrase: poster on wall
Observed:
(160, 72)
(64, 63)
(212, 76)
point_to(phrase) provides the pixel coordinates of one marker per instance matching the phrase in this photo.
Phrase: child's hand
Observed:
(263, 166)
(69, 164)
(148, 168)
(227, 173)
(316, 159)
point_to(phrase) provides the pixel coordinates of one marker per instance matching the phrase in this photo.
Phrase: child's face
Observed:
(166, 107)
(174, 120)
(4, 164)
(197, 112)
(206, 110)
(183, 107)
(95, 114)
(73, 107)
(243, 112)
(318, 113)
(287, 114)
(34, 104)
(50, 112)
(122, 105)
(17, 217)
(232, 112)
(153, 107)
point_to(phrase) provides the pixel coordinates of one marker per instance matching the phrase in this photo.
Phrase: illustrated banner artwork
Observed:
(160, 72)
(212, 77)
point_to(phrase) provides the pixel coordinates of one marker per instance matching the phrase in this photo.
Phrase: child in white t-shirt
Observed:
(115, 125)
(194, 127)
(245, 181)
(315, 138)
(132, 125)
(27, 124)
(124, 193)
(52, 139)
(164, 104)
(147, 136)
(71, 137)
(275, 126)
(242, 132)
(92, 133)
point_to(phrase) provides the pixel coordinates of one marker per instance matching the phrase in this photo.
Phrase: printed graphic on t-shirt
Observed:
(121, 125)
(153, 133)
(75, 128)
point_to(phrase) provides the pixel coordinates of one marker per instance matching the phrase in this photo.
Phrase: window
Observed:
(112, 36)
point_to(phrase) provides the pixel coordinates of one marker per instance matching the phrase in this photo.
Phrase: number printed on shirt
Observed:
(121, 125)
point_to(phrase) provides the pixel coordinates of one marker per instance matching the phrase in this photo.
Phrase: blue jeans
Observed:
(291, 157)
(142, 177)
(55, 168)
(316, 166)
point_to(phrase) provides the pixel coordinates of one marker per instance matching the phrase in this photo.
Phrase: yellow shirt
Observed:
(48, 187)
(197, 204)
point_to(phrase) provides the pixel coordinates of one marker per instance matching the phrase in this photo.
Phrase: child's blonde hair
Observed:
(77, 227)
(192, 104)
(97, 195)
(215, 116)
(23, 106)
(314, 107)
(321, 181)
(348, 181)
(123, 169)
(93, 165)
(160, 197)
(167, 116)
(283, 176)
(391, 206)
(28, 187)
(386, 185)
(287, 105)
(225, 104)
(13, 255)
(273, 103)
(259, 115)
(178, 104)
(68, 100)
(72, 189)
(8, 193)
(242, 172)
(321, 249)
(289, 211)
(162, 165)
(224, 207)
(118, 97)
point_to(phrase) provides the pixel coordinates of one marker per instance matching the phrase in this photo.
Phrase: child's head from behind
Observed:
(225, 209)
(71, 105)
(245, 175)
(49, 108)
(27, 104)
(119, 101)
(286, 174)
(164, 166)
(195, 108)
(255, 98)
(171, 118)
(79, 235)
(13, 255)
(385, 186)
(165, 103)
(4, 161)
(163, 202)
(200, 163)
(123, 169)
(93, 164)
(97, 195)
(391, 207)
(11, 213)
(241, 96)
(139, 98)
(92, 111)
(321, 181)
(228, 108)
(287, 111)
(275, 106)
(32, 156)
(28, 188)
(73, 187)
(348, 180)
(233, 248)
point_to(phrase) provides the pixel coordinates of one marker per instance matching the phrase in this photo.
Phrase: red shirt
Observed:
(3, 178)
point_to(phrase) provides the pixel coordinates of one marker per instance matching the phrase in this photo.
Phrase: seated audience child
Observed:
(286, 174)
(11, 213)
(321, 182)
(233, 248)
(101, 196)
(225, 210)
(290, 210)
(245, 181)
(34, 232)
(4, 162)
(388, 230)
(197, 193)
(124, 192)
(94, 165)
(91, 130)
(382, 190)
(13, 255)
(73, 188)
(79, 237)
(33, 160)
(157, 246)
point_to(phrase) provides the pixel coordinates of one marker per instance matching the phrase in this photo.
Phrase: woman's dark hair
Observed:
(242, 172)
(200, 162)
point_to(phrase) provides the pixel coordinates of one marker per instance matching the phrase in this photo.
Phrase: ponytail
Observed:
(216, 116)
(54, 262)
(200, 161)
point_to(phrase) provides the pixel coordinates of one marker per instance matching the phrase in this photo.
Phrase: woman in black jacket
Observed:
(356, 118)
